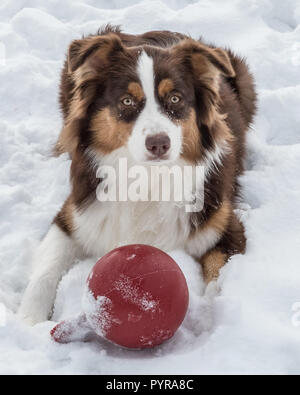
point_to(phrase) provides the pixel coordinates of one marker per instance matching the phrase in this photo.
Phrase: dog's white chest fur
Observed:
(104, 226)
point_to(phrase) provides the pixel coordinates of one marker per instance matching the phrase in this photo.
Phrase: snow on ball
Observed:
(136, 297)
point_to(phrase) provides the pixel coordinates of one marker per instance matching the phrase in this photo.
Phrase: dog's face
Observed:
(158, 103)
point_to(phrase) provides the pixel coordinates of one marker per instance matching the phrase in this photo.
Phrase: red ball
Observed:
(137, 297)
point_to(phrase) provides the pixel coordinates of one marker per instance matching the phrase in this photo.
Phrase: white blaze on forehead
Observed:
(152, 120)
(146, 74)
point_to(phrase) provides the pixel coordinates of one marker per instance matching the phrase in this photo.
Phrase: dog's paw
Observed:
(31, 317)
(27, 320)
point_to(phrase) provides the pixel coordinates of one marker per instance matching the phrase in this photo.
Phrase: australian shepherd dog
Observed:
(156, 99)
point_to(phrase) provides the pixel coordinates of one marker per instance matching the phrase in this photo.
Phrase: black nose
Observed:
(158, 145)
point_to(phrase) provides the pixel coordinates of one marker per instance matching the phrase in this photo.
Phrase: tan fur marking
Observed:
(68, 213)
(212, 263)
(109, 133)
(223, 132)
(165, 87)
(65, 217)
(136, 91)
(191, 142)
(220, 219)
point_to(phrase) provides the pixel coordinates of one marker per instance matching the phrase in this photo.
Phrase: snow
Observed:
(131, 293)
(95, 309)
(252, 326)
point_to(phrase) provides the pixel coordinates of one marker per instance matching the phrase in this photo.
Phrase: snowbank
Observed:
(249, 328)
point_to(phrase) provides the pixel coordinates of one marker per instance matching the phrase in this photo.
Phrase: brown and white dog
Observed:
(160, 98)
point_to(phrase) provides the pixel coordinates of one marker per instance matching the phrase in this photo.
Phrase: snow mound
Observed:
(251, 326)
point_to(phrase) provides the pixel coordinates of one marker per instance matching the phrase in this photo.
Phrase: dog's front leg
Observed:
(53, 257)
(215, 244)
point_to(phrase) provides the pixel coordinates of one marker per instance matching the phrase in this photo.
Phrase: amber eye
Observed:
(175, 99)
(127, 101)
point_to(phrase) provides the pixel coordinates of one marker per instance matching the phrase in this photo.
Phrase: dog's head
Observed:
(158, 103)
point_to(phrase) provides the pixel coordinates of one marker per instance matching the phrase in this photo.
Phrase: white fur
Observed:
(152, 121)
(166, 225)
(214, 158)
(54, 255)
(202, 242)
(104, 226)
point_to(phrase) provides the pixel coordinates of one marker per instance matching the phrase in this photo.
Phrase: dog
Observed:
(159, 98)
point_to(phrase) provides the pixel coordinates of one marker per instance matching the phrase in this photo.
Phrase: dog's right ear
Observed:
(94, 50)
(87, 61)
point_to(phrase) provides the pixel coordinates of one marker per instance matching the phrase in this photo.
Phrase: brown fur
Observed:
(192, 147)
(64, 219)
(136, 91)
(109, 133)
(220, 218)
(165, 87)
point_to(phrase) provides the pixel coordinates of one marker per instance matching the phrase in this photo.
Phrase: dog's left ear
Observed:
(204, 65)
(202, 56)
(218, 58)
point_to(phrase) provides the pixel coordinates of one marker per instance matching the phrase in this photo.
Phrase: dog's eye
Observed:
(127, 102)
(175, 99)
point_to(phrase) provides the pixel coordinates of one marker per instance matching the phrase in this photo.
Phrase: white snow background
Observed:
(251, 327)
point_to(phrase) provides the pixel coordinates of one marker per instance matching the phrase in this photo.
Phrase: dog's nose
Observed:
(158, 145)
